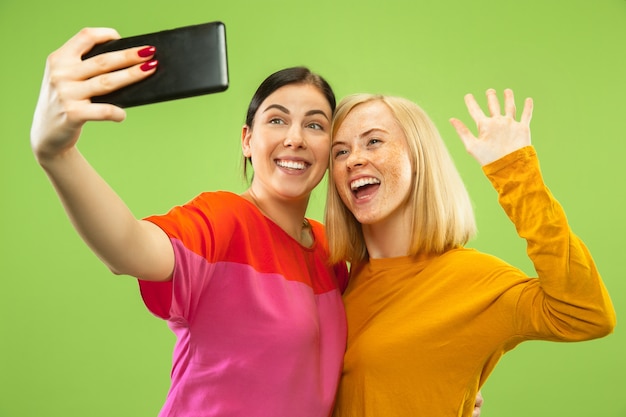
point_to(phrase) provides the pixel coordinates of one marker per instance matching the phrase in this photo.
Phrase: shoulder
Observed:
(219, 199)
(473, 260)
(216, 211)
(221, 205)
(481, 270)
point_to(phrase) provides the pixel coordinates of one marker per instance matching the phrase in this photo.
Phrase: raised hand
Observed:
(498, 134)
(126, 245)
(64, 103)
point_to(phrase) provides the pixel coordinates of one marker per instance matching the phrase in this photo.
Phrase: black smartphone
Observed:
(192, 62)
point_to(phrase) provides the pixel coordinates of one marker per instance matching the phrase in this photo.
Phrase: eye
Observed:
(315, 126)
(340, 152)
(374, 141)
(276, 121)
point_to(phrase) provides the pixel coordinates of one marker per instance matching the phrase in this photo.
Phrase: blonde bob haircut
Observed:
(443, 216)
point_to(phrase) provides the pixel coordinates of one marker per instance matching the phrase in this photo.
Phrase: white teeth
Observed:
(291, 164)
(363, 181)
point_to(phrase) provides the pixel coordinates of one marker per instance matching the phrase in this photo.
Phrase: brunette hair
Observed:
(281, 78)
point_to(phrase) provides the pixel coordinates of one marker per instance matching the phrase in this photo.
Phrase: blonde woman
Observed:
(428, 319)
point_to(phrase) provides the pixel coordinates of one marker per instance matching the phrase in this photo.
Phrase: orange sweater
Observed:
(424, 336)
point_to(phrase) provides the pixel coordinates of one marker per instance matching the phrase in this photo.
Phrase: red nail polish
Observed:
(146, 52)
(148, 66)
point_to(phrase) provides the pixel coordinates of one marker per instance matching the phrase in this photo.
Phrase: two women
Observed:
(245, 282)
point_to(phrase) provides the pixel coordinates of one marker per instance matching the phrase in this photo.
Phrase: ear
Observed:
(246, 134)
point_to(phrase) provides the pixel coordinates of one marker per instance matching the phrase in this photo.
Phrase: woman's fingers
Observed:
(66, 63)
(80, 92)
(464, 133)
(103, 111)
(113, 61)
(509, 103)
(492, 102)
(527, 113)
(69, 83)
(473, 108)
(101, 74)
(107, 82)
(498, 134)
(84, 41)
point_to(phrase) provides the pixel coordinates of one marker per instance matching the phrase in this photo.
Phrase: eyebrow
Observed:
(286, 110)
(362, 135)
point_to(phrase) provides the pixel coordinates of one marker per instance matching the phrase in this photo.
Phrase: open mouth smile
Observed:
(364, 187)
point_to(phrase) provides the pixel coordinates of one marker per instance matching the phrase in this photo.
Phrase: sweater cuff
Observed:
(523, 153)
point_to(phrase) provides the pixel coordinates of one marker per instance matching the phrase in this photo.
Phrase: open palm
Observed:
(498, 134)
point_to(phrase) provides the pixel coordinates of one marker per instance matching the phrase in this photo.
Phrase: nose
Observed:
(355, 159)
(294, 138)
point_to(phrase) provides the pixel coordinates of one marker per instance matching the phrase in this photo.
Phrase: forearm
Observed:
(574, 301)
(126, 245)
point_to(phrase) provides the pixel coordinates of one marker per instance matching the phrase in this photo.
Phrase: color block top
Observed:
(258, 318)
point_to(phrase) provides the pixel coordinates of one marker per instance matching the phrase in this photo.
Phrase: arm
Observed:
(126, 245)
(569, 301)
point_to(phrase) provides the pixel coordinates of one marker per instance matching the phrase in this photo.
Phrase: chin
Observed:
(365, 218)
(295, 192)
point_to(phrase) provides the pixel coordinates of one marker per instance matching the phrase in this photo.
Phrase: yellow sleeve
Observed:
(569, 301)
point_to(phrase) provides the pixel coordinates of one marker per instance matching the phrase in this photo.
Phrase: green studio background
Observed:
(77, 340)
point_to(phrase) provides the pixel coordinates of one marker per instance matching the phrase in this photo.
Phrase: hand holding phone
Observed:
(192, 61)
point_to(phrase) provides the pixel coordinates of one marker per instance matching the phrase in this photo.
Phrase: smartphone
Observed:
(192, 62)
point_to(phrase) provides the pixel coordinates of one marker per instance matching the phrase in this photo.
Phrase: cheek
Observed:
(338, 176)
(321, 151)
(322, 147)
(323, 156)
(399, 168)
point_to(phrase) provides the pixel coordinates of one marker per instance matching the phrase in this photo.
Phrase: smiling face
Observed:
(371, 166)
(289, 142)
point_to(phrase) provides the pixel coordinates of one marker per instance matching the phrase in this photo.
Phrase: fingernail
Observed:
(146, 52)
(147, 66)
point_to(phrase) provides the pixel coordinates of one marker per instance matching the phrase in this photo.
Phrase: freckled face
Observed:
(371, 166)
(290, 141)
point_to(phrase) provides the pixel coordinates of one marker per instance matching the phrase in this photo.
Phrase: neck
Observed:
(288, 214)
(386, 241)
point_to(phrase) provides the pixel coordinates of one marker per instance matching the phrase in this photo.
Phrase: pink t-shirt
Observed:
(258, 318)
